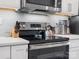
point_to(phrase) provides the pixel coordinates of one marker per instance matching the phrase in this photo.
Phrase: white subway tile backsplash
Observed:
(9, 19)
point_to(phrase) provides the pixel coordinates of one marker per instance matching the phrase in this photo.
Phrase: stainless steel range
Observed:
(39, 47)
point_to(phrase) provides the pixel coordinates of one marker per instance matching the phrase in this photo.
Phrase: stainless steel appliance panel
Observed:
(32, 26)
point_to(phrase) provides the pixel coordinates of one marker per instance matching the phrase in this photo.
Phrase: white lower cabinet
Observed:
(19, 52)
(5, 52)
(14, 52)
(74, 49)
(74, 53)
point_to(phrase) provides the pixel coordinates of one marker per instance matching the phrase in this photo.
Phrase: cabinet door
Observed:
(74, 53)
(4, 52)
(19, 52)
(70, 6)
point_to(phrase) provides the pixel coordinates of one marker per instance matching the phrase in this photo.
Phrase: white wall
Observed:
(55, 19)
(33, 18)
(9, 19)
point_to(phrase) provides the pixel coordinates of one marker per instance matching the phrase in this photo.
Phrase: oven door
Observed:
(49, 51)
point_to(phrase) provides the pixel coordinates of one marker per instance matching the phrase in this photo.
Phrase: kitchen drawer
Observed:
(74, 43)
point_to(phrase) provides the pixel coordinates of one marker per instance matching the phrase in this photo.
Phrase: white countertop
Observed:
(70, 36)
(12, 41)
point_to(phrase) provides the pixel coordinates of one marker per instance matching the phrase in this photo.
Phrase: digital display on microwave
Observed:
(35, 25)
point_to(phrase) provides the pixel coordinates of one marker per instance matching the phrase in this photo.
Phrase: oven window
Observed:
(55, 55)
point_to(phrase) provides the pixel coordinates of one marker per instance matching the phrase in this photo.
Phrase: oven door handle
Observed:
(42, 46)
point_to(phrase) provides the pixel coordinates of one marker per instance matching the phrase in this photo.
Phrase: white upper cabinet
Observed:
(10, 4)
(70, 6)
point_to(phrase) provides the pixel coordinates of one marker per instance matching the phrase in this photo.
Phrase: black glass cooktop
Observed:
(54, 39)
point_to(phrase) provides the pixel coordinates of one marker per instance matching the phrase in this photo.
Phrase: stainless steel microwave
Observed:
(43, 5)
